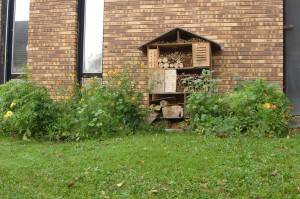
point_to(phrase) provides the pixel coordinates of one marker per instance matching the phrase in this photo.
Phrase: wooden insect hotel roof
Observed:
(179, 35)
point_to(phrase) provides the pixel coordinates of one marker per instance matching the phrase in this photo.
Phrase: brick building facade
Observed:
(250, 33)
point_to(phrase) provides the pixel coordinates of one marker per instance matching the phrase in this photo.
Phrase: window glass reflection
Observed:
(20, 36)
(93, 36)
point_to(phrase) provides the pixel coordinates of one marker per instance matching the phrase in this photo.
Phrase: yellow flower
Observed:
(90, 81)
(119, 83)
(5, 117)
(274, 107)
(109, 72)
(67, 97)
(81, 101)
(82, 90)
(9, 113)
(12, 105)
(96, 88)
(90, 93)
(267, 105)
(142, 64)
(133, 98)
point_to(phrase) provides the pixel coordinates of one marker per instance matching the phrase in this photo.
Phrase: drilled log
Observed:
(166, 65)
(164, 103)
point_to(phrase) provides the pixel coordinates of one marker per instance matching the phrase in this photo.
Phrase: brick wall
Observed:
(249, 31)
(52, 42)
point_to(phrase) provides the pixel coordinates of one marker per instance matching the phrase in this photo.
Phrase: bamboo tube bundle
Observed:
(175, 60)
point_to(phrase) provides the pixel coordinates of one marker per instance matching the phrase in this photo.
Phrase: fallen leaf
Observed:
(274, 173)
(165, 188)
(43, 194)
(204, 184)
(153, 191)
(298, 189)
(142, 161)
(103, 194)
(120, 184)
(71, 185)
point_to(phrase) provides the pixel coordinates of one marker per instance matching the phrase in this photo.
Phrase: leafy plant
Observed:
(26, 108)
(255, 108)
(110, 109)
(206, 83)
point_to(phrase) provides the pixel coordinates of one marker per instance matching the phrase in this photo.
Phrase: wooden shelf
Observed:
(174, 118)
(170, 45)
(170, 93)
(190, 68)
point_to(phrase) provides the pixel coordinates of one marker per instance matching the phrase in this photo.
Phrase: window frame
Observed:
(7, 35)
(80, 50)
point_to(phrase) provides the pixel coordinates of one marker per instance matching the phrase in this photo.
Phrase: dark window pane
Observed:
(20, 36)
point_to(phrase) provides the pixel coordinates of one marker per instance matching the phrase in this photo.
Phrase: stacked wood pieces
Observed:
(175, 60)
(166, 107)
(181, 86)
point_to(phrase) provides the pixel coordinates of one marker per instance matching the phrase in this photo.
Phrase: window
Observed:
(15, 17)
(91, 38)
(20, 36)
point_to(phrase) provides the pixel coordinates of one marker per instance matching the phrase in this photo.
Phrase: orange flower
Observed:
(114, 73)
(291, 108)
(274, 107)
(70, 88)
(142, 64)
(267, 105)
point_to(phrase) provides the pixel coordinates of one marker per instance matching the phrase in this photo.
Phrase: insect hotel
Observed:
(172, 57)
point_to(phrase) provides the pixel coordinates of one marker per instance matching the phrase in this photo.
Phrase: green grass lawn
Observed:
(151, 166)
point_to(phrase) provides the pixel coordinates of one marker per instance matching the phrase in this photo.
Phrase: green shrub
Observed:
(262, 108)
(64, 127)
(26, 108)
(110, 109)
(255, 108)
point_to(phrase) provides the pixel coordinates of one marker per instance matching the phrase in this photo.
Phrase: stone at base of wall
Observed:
(295, 122)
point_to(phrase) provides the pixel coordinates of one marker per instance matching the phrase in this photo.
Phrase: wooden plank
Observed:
(175, 111)
(170, 80)
(156, 80)
(201, 55)
(152, 58)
